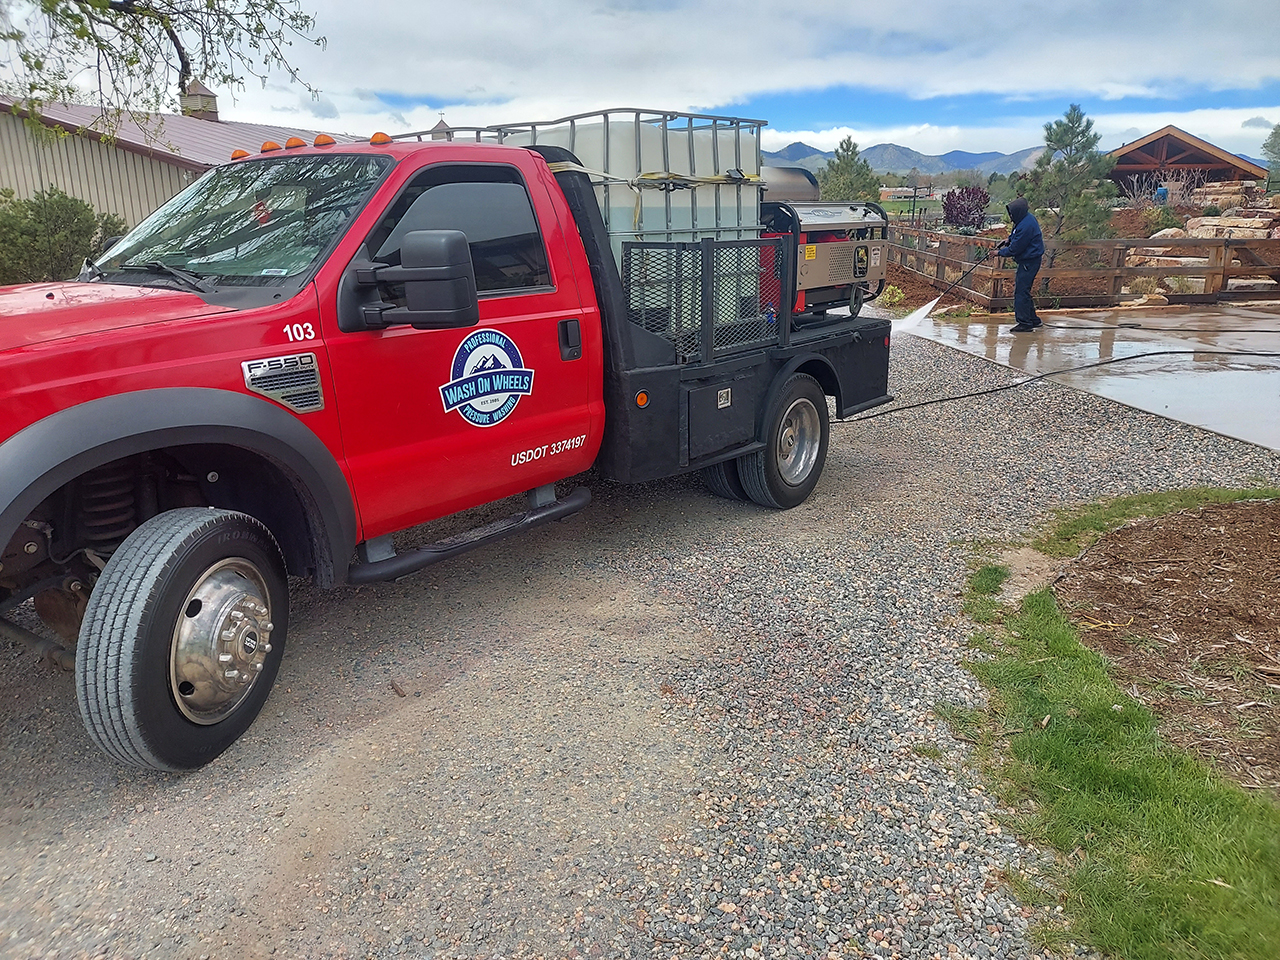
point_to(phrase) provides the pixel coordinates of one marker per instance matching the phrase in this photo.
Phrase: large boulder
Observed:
(1243, 228)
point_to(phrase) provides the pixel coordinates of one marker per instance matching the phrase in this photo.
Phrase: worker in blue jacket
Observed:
(1026, 246)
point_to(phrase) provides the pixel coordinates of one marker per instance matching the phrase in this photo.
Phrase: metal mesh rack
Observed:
(711, 299)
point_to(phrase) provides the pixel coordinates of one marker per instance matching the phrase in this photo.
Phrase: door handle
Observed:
(570, 339)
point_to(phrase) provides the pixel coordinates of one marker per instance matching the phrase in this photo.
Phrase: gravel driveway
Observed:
(671, 725)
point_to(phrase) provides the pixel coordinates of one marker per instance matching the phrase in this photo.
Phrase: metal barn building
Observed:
(143, 167)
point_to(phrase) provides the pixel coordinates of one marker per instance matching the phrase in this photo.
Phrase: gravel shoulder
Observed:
(671, 725)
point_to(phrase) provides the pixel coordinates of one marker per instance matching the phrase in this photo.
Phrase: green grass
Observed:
(1160, 857)
(1076, 529)
(989, 579)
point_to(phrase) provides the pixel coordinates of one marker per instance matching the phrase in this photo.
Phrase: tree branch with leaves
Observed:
(132, 57)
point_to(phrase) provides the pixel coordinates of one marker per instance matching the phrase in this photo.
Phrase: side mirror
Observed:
(433, 286)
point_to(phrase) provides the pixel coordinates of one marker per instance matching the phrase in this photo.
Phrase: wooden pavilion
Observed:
(1176, 154)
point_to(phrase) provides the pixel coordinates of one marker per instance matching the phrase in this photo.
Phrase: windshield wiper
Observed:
(90, 271)
(193, 280)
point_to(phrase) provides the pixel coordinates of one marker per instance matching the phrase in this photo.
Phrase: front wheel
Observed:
(785, 472)
(182, 638)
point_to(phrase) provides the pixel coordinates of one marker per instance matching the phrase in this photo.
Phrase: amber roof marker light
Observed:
(324, 140)
(269, 146)
(239, 154)
(379, 139)
(294, 142)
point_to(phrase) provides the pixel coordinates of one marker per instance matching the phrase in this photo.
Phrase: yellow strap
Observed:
(656, 179)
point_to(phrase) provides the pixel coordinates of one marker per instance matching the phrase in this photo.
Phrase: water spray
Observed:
(913, 318)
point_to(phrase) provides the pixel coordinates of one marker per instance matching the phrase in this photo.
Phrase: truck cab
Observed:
(315, 347)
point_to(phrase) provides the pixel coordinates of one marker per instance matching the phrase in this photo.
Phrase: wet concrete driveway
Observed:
(1202, 376)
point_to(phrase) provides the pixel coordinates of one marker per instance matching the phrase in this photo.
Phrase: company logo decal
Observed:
(489, 378)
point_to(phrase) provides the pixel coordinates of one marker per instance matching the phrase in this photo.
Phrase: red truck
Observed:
(316, 346)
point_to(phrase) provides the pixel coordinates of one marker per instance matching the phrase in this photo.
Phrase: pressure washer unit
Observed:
(840, 248)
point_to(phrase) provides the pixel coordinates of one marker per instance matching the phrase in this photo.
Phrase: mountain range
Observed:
(891, 158)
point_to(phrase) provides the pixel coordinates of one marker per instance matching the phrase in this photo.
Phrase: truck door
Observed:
(436, 421)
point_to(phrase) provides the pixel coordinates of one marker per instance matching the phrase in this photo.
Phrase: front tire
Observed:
(785, 472)
(182, 638)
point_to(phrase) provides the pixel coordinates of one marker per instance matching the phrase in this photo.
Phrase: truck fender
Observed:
(44, 456)
(813, 364)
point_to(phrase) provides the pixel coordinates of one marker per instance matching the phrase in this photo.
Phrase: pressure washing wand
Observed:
(911, 319)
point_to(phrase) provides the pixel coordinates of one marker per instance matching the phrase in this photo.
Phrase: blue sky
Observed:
(934, 75)
(836, 106)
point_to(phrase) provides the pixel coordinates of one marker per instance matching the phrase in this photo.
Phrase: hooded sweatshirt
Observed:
(1025, 244)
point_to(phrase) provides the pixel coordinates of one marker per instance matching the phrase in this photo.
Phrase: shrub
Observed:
(1212, 210)
(1160, 217)
(48, 236)
(1143, 285)
(891, 296)
(1178, 285)
(965, 206)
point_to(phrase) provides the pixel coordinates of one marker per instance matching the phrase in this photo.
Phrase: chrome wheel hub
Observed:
(798, 440)
(221, 641)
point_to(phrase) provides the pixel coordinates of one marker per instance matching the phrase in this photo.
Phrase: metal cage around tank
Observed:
(659, 175)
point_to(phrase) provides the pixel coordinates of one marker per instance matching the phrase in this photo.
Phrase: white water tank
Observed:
(627, 144)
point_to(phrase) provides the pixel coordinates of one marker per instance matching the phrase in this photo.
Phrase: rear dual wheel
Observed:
(722, 479)
(785, 472)
(182, 638)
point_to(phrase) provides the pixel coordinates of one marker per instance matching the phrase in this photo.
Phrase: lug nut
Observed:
(31, 546)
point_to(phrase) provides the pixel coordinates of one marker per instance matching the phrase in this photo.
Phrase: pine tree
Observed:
(1069, 181)
(848, 176)
(1271, 150)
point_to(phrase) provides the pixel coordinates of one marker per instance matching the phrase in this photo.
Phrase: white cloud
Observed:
(1222, 127)
(489, 61)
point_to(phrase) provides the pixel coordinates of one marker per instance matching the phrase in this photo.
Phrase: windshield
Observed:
(256, 223)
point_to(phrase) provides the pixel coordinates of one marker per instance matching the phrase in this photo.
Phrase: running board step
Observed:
(543, 508)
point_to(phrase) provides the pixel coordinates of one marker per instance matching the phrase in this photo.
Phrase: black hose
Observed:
(1140, 326)
(1054, 373)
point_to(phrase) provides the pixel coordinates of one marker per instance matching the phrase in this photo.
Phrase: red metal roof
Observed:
(172, 138)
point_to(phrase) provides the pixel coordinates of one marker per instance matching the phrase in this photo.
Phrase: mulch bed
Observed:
(918, 291)
(1187, 609)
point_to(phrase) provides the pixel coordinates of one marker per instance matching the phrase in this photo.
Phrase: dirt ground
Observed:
(1187, 609)
(917, 290)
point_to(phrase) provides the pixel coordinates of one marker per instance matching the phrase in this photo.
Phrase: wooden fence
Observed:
(1092, 273)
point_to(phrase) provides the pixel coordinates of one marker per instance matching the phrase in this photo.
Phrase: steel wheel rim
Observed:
(220, 641)
(799, 437)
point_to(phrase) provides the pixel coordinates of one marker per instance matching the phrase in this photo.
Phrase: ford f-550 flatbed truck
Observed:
(314, 347)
